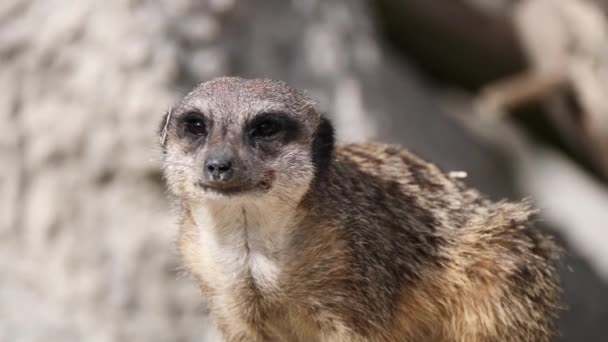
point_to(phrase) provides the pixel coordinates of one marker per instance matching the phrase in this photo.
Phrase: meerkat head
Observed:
(233, 137)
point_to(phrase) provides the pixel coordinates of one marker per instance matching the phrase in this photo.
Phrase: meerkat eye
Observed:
(195, 124)
(266, 128)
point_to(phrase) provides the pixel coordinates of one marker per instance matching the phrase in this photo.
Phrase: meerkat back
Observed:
(465, 268)
(292, 238)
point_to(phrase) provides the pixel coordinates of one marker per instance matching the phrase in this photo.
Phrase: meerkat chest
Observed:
(235, 245)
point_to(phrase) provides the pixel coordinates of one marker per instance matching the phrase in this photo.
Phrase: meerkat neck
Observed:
(245, 237)
(249, 223)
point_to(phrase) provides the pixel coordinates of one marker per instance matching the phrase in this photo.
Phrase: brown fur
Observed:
(370, 242)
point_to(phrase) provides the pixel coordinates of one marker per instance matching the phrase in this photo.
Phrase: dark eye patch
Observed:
(194, 124)
(272, 126)
(266, 128)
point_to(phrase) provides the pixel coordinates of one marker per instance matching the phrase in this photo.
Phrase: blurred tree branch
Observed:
(566, 42)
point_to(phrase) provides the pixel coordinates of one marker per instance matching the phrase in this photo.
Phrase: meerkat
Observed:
(291, 237)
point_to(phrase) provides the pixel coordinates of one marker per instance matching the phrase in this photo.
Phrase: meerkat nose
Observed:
(218, 168)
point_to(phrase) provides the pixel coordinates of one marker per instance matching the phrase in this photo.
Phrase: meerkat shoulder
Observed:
(441, 251)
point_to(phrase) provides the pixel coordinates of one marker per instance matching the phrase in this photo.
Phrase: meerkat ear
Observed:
(323, 145)
(164, 125)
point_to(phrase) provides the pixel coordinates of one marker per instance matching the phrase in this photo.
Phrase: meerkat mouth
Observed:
(235, 190)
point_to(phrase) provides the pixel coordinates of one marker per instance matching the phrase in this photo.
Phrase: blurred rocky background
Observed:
(512, 92)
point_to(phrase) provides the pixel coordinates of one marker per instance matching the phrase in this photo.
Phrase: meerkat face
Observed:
(232, 137)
